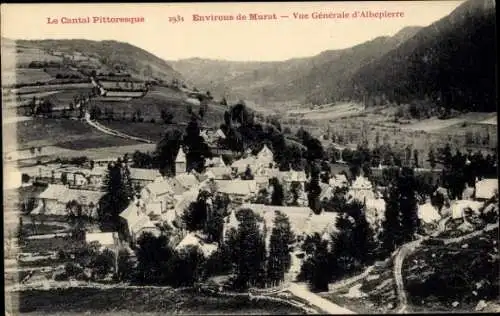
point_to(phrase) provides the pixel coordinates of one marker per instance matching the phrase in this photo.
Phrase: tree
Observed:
(119, 193)
(432, 159)
(248, 175)
(279, 258)
(153, 256)
(25, 178)
(64, 178)
(195, 217)
(401, 220)
(317, 267)
(314, 190)
(167, 116)
(102, 264)
(196, 148)
(186, 266)
(250, 262)
(415, 158)
(166, 151)
(277, 195)
(214, 227)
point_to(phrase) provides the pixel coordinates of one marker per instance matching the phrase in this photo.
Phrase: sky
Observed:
(264, 40)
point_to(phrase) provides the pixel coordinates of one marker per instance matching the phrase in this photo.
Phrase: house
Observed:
(183, 182)
(96, 176)
(51, 197)
(486, 189)
(217, 162)
(303, 221)
(106, 240)
(192, 239)
(458, 207)
(240, 165)
(103, 162)
(339, 181)
(220, 134)
(265, 156)
(219, 173)
(88, 200)
(183, 201)
(361, 189)
(428, 213)
(159, 190)
(142, 177)
(288, 177)
(180, 162)
(137, 222)
(74, 176)
(238, 190)
(55, 198)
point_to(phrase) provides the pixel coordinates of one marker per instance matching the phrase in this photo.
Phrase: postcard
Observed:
(250, 158)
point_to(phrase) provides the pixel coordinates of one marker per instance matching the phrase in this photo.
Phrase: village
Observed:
(162, 202)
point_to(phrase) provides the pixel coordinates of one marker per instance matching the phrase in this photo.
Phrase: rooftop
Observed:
(144, 174)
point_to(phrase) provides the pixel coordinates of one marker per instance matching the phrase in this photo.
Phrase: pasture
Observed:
(64, 135)
(25, 76)
(26, 55)
(52, 87)
(159, 99)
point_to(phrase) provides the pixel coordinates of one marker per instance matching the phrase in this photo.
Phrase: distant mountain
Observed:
(451, 63)
(297, 79)
(112, 54)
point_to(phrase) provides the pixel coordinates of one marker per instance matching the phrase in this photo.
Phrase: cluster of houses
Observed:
(163, 200)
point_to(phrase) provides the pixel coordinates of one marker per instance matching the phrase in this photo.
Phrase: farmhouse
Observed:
(55, 198)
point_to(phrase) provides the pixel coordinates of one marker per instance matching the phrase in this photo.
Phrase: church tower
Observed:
(180, 162)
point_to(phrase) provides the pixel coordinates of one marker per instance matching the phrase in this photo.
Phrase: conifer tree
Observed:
(279, 258)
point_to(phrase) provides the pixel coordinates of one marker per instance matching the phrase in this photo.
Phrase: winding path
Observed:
(301, 290)
(110, 131)
(410, 247)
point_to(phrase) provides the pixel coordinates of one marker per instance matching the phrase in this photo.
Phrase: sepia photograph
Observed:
(250, 158)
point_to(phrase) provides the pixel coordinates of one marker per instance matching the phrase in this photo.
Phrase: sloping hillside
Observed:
(291, 80)
(112, 54)
(450, 62)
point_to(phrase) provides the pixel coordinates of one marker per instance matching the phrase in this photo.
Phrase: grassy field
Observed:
(64, 72)
(53, 87)
(26, 55)
(147, 301)
(151, 131)
(64, 133)
(65, 97)
(159, 99)
(26, 75)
